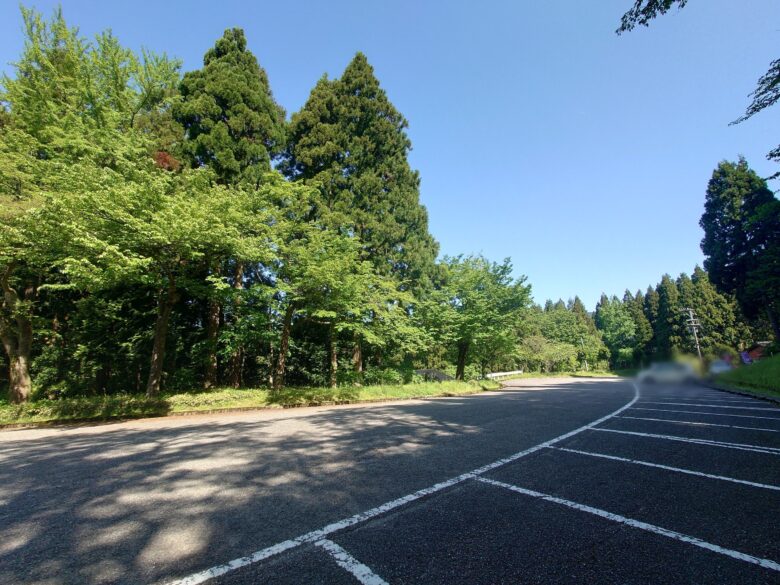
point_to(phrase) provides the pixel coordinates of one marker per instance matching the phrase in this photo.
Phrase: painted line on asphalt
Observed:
(696, 423)
(710, 405)
(765, 563)
(724, 400)
(349, 563)
(709, 413)
(738, 446)
(669, 468)
(317, 535)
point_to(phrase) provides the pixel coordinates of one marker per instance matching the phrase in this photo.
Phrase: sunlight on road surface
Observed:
(176, 541)
(18, 536)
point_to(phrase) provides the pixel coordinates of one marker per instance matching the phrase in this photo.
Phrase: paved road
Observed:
(560, 481)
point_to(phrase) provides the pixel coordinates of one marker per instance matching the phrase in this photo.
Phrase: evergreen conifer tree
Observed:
(232, 122)
(350, 142)
(234, 126)
(667, 328)
(741, 244)
(643, 331)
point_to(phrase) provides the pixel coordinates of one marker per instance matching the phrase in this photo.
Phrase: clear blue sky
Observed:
(538, 132)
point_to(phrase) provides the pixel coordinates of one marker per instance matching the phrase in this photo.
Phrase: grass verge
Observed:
(580, 374)
(101, 408)
(761, 378)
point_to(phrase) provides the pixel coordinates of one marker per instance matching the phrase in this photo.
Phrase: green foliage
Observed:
(479, 308)
(231, 120)
(615, 322)
(539, 354)
(635, 305)
(350, 142)
(124, 406)
(668, 328)
(573, 327)
(741, 244)
(146, 243)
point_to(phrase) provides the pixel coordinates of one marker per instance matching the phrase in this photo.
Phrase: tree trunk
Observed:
(17, 341)
(333, 354)
(237, 359)
(20, 383)
(463, 348)
(774, 322)
(164, 309)
(357, 356)
(284, 346)
(214, 312)
(212, 332)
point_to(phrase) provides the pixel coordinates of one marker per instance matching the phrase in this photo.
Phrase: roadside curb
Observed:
(93, 421)
(738, 391)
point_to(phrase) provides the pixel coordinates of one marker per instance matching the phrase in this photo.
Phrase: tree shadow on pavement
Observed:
(154, 500)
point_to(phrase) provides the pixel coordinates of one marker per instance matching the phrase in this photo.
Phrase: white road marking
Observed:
(709, 413)
(669, 468)
(690, 422)
(346, 561)
(739, 446)
(317, 535)
(765, 563)
(711, 406)
(725, 400)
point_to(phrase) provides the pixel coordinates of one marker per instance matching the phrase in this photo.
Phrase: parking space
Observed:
(680, 485)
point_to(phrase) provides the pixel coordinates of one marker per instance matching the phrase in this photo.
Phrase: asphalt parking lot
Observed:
(551, 482)
(683, 485)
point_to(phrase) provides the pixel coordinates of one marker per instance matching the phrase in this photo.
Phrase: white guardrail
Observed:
(496, 375)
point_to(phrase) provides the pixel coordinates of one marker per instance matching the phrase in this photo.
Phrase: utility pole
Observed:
(693, 325)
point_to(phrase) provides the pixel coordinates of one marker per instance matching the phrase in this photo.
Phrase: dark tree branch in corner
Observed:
(644, 11)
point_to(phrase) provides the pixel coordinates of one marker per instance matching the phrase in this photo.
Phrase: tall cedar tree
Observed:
(350, 142)
(644, 332)
(232, 122)
(722, 324)
(741, 244)
(668, 338)
(578, 308)
(233, 125)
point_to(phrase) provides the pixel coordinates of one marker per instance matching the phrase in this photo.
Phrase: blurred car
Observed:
(667, 372)
(719, 367)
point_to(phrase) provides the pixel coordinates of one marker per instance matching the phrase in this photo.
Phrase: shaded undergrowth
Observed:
(128, 406)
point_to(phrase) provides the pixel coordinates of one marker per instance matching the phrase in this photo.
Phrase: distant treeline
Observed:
(638, 328)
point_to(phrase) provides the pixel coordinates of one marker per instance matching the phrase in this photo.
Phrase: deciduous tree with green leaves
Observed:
(69, 114)
(482, 303)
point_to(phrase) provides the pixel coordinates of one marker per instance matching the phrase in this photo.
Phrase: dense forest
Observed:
(162, 231)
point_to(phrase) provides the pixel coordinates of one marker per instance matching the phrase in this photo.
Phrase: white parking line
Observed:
(711, 406)
(669, 468)
(709, 413)
(739, 446)
(320, 534)
(346, 561)
(690, 422)
(724, 400)
(765, 563)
